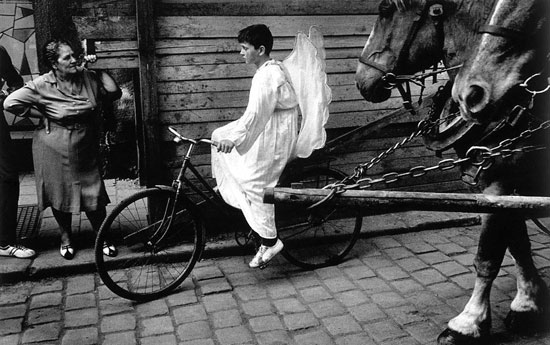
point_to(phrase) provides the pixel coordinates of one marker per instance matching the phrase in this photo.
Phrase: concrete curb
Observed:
(48, 263)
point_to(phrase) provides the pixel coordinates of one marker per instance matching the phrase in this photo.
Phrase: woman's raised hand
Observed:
(90, 58)
(87, 59)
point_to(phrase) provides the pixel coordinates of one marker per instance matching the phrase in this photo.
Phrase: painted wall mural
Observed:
(17, 35)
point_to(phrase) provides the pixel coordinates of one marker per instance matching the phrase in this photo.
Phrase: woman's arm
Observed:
(113, 92)
(105, 79)
(108, 82)
(23, 102)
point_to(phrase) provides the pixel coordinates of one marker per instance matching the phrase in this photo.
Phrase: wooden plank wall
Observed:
(203, 83)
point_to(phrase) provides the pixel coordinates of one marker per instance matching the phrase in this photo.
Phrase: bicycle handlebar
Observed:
(180, 137)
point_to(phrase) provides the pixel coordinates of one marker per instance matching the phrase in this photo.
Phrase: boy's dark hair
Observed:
(257, 35)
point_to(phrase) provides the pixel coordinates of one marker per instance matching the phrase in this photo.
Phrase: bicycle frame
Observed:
(161, 230)
(209, 196)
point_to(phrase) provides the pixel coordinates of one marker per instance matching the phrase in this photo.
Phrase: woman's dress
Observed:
(66, 144)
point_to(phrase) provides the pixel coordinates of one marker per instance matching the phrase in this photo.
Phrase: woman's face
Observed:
(66, 62)
(251, 55)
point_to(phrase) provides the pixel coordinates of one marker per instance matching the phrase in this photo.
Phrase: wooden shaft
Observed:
(405, 201)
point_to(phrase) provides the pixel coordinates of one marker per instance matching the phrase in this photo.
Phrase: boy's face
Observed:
(251, 55)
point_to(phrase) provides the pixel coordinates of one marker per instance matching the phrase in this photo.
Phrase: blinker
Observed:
(436, 10)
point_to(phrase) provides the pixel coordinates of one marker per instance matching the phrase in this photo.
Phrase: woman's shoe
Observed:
(67, 251)
(109, 249)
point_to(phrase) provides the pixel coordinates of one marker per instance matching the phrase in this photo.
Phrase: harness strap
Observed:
(395, 81)
(502, 32)
(373, 64)
(411, 36)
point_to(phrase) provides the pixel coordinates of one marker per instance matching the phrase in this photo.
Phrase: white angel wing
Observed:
(306, 68)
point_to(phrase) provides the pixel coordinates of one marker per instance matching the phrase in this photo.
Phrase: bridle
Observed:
(520, 120)
(509, 33)
(517, 36)
(497, 30)
(434, 10)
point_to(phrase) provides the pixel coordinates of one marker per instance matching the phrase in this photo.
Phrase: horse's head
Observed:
(513, 46)
(406, 38)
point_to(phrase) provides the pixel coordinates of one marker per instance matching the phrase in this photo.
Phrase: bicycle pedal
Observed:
(263, 265)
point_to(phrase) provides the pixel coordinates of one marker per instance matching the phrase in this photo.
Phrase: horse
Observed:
(412, 35)
(514, 46)
(505, 81)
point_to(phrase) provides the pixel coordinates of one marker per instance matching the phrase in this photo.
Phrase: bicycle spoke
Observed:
(321, 236)
(154, 257)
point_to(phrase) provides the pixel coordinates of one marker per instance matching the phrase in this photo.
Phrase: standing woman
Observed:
(66, 145)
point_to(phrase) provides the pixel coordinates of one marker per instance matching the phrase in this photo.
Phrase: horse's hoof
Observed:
(526, 323)
(531, 322)
(450, 337)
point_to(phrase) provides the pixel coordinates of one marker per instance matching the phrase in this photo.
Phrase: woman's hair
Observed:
(51, 51)
(257, 35)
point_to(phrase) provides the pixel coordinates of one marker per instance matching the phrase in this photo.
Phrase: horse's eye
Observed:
(386, 8)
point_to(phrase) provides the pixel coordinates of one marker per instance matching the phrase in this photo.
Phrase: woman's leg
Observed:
(96, 217)
(64, 220)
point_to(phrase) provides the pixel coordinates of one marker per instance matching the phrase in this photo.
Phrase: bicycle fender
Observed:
(163, 187)
(188, 203)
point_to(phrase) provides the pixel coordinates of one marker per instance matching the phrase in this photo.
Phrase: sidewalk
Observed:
(49, 263)
(400, 289)
(45, 238)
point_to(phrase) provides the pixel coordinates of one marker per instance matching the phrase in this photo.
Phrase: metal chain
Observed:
(424, 127)
(480, 156)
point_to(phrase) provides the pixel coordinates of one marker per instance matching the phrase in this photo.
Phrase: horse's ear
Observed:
(386, 8)
(403, 5)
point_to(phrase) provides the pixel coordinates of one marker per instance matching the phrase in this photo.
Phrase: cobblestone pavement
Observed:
(399, 289)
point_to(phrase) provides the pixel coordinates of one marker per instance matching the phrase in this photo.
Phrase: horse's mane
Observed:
(401, 5)
(388, 6)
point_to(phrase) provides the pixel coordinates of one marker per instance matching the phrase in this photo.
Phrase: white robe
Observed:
(265, 138)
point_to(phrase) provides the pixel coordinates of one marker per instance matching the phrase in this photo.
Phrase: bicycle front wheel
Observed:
(157, 249)
(319, 237)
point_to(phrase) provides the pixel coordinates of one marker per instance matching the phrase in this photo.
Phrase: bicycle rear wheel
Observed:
(319, 237)
(156, 252)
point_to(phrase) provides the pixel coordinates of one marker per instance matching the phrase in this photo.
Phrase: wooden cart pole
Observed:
(407, 201)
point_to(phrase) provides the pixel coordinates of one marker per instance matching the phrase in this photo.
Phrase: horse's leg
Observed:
(473, 324)
(530, 309)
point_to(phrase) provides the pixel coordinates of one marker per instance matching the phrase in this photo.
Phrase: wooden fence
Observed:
(194, 79)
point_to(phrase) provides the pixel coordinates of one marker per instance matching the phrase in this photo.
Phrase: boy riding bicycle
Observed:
(263, 140)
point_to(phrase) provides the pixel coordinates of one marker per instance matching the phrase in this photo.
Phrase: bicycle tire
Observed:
(313, 240)
(149, 266)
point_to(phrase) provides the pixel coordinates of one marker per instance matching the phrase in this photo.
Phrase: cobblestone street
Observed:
(399, 289)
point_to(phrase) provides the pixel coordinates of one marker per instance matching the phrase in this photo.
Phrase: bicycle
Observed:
(159, 232)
